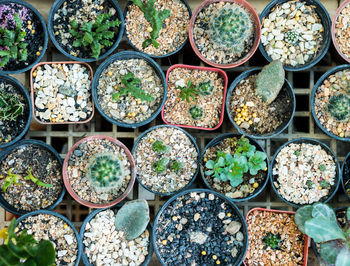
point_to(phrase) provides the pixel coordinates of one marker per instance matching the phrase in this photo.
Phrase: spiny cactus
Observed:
(206, 88)
(10, 106)
(270, 81)
(196, 112)
(339, 107)
(291, 37)
(133, 218)
(105, 172)
(272, 240)
(231, 29)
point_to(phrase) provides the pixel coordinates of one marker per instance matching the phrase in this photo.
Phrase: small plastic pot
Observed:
(125, 55)
(333, 189)
(91, 216)
(193, 140)
(287, 86)
(223, 75)
(33, 99)
(150, 55)
(57, 4)
(257, 32)
(312, 100)
(15, 83)
(343, 180)
(75, 195)
(306, 245)
(337, 13)
(34, 213)
(8, 151)
(45, 37)
(326, 22)
(217, 141)
(201, 190)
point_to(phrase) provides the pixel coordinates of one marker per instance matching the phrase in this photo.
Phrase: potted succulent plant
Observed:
(129, 89)
(31, 177)
(200, 227)
(15, 111)
(126, 232)
(297, 33)
(158, 28)
(166, 158)
(261, 103)
(61, 92)
(341, 30)
(224, 33)
(304, 171)
(330, 103)
(99, 171)
(274, 239)
(23, 36)
(86, 31)
(319, 222)
(346, 176)
(195, 97)
(235, 166)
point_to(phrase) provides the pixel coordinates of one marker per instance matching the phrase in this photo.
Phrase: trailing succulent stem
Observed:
(94, 35)
(10, 106)
(13, 43)
(339, 107)
(272, 240)
(36, 180)
(155, 18)
(196, 112)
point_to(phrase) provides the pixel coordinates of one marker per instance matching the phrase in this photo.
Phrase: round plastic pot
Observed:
(125, 55)
(151, 55)
(8, 151)
(193, 140)
(326, 22)
(306, 245)
(343, 175)
(282, 127)
(91, 216)
(223, 75)
(201, 190)
(75, 195)
(34, 213)
(339, 10)
(217, 141)
(56, 6)
(33, 96)
(45, 39)
(15, 83)
(257, 32)
(333, 189)
(312, 103)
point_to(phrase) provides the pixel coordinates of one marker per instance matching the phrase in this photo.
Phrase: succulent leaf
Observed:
(302, 215)
(330, 250)
(321, 210)
(196, 112)
(321, 230)
(348, 214)
(343, 258)
(160, 148)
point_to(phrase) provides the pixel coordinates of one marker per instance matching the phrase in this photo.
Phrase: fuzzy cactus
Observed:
(291, 37)
(339, 107)
(133, 218)
(270, 81)
(196, 112)
(231, 29)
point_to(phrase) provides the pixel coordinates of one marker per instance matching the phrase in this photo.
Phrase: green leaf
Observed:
(87, 27)
(88, 38)
(18, 21)
(23, 57)
(330, 250)
(210, 164)
(321, 230)
(44, 247)
(21, 36)
(74, 24)
(6, 257)
(146, 43)
(321, 210)
(348, 214)
(235, 180)
(209, 172)
(139, 4)
(343, 258)
(302, 215)
(221, 162)
(4, 53)
(14, 51)
(77, 43)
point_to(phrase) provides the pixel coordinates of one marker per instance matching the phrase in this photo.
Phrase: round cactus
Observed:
(206, 88)
(196, 112)
(291, 37)
(339, 107)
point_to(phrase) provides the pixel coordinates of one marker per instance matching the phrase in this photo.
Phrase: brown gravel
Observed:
(342, 31)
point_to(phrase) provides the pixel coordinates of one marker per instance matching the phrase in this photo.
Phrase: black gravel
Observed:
(346, 176)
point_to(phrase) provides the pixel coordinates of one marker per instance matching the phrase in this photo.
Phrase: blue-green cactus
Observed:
(339, 107)
(291, 37)
(196, 112)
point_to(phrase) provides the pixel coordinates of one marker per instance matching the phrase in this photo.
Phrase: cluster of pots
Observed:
(166, 159)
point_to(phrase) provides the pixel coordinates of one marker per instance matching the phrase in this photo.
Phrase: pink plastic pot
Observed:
(87, 203)
(257, 27)
(306, 245)
(223, 74)
(340, 8)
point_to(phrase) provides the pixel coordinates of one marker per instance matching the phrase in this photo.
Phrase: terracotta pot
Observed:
(257, 33)
(87, 203)
(32, 91)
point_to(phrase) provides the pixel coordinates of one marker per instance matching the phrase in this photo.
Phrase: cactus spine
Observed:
(339, 107)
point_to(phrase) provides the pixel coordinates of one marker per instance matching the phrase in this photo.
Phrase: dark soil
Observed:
(346, 176)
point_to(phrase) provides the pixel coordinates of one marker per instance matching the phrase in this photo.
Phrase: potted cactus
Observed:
(130, 242)
(99, 171)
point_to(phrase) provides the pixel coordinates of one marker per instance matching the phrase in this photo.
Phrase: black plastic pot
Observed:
(345, 176)
(45, 37)
(8, 151)
(15, 83)
(54, 9)
(287, 86)
(156, 56)
(138, 172)
(91, 216)
(326, 22)
(312, 101)
(124, 56)
(333, 189)
(217, 141)
(34, 213)
(200, 190)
